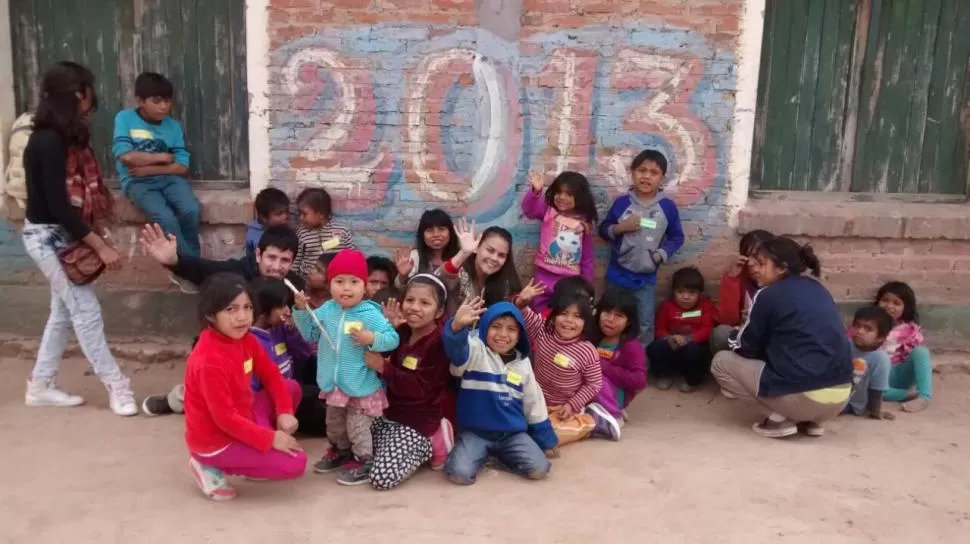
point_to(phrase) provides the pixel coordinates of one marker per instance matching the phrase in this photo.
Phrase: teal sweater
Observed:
(340, 362)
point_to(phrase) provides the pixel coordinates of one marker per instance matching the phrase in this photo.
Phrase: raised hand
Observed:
(393, 313)
(536, 181)
(403, 262)
(468, 313)
(466, 236)
(162, 248)
(737, 265)
(301, 300)
(530, 291)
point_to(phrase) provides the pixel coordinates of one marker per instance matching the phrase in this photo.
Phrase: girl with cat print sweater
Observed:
(568, 214)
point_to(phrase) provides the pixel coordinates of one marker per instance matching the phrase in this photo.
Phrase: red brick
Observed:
(454, 4)
(928, 263)
(546, 6)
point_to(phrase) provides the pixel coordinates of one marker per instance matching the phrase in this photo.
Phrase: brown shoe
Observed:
(775, 429)
(811, 428)
(916, 405)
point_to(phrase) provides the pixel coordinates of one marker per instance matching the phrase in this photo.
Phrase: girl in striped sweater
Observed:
(567, 365)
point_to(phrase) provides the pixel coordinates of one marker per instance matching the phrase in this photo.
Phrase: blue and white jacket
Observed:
(496, 397)
(631, 255)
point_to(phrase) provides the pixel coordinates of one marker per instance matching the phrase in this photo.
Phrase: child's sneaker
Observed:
(441, 444)
(332, 460)
(357, 472)
(606, 425)
(156, 405)
(211, 481)
(626, 416)
(687, 388)
(811, 428)
(46, 393)
(664, 384)
(120, 398)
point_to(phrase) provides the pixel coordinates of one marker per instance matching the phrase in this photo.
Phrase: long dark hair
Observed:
(905, 294)
(578, 187)
(617, 301)
(789, 255)
(58, 102)
(430, 219)
(562, 301)
(217, 293)
(500, 285)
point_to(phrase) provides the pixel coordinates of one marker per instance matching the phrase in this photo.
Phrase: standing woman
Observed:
(67, 202)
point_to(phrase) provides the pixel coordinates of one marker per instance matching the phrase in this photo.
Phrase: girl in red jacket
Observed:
(736, 291)
(221, 409)
(414, 428)
(684, 325)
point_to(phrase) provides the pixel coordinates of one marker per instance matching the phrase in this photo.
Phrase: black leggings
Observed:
(693, 361)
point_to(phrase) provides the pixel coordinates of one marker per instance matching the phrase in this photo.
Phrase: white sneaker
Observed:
(45, 393)
(211, 481)
(120, 398)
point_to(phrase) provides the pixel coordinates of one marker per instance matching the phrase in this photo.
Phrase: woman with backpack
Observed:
(67, 208)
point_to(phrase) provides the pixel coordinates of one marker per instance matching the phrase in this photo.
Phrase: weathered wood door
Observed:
(199, 44)
(866, 96)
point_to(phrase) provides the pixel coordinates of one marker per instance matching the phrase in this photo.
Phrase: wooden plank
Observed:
(805, 114)
(909, 181)
(788, 112)
(929, 174)
(23, 38)
(68, 30)
(953, 129)
(101, 57)
(214, 55)
(870, 87)
(898, 90)
(239, 143)
(761, 109)
(777, 134)
(191, 95)
(126, 44)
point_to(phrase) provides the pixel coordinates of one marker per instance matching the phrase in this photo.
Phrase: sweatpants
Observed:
(692, 360)
(400, 450)
(915, 371)
(349, 429)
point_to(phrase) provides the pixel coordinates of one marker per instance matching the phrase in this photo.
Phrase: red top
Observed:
(568, 371)
(697, 322)
(418, 382)
(219, 395)
(731, 298)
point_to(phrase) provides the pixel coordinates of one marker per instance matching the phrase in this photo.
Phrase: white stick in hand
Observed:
(308, 309)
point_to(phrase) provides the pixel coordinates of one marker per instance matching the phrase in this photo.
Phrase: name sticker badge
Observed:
(351, 326)
(248, 366)
(410, 363)
(331, 243)
(605, 353)
(513, 378)
(688, 315)
(561, 360)
(280, 348)
(140, 134)
(647, 223)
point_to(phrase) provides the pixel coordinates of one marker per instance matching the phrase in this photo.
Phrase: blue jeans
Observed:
(646, 307)
(170, 202)
(518, 451)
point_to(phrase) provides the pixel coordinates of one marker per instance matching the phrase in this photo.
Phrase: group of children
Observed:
(446, 337)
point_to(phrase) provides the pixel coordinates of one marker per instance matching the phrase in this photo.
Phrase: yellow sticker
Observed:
(410, 363)
(513, 378)
(331, 243)
(351, 326)
(248, 366)
(280, 348)
(141, 134)
(561, 360)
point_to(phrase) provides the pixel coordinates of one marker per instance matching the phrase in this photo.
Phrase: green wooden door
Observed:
(199, 44)
(867, 96)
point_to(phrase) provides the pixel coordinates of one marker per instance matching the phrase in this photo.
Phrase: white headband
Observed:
(433, 278)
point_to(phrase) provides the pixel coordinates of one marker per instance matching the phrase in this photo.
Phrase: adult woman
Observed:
(792, 356)
(67, 202)
(490, 274)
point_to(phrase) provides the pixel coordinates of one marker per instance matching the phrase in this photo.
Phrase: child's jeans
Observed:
(170, 202)
(646, 307)
(243, 460)
(518, 451)
(916, 370)
(692, 360)
(350, 429)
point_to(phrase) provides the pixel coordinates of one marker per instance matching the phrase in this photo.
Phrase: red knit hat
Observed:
(348, 261)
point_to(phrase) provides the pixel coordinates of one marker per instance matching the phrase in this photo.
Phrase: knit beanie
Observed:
(348, 261)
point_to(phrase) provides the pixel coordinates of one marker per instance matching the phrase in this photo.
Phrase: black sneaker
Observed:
(356, 474)
(332, 460)
(156, 405)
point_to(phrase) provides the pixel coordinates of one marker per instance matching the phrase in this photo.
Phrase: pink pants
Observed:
(243, 460)
(609, 398)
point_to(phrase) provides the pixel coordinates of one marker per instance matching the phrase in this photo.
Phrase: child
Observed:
(622, 358)
(229, 429)
(567, 366)
(491, 271)
(353, 391)
(906, 348)
(870, 326)
(435, 243)
(319, 232)
(381, 271)
(737, 291)
(385, 295)
(415, 428)
(501, 410)
(571, 284)
(684, 325)
(288, 351)
(272, 208)
(152, 163)
(318, 287)
(568, 214)
(643, 228)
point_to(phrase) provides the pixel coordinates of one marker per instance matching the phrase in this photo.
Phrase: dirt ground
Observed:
(688, 469)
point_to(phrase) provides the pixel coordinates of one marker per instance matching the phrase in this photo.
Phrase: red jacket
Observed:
(696, 323)
(219, 395)
(418, 382)
(731, 298)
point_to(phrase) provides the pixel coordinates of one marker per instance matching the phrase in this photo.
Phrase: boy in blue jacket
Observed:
(501, 410)
(643, 228)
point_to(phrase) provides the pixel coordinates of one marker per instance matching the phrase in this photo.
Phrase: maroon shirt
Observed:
(418, 382)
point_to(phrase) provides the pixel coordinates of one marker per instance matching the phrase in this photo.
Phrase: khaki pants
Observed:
(741, 377)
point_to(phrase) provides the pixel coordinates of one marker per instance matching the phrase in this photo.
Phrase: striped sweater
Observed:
(328, 238)
(568, 372)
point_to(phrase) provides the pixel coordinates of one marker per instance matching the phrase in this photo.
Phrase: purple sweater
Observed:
(625, 368)
(284, 345)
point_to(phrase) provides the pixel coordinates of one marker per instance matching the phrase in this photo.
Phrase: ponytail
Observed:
(789, 255)
(810, 260)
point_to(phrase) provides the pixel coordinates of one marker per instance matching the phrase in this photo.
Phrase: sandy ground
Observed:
(688, 469)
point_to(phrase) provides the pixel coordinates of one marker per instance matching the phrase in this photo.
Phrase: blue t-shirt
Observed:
(134, 133)
(875, 378)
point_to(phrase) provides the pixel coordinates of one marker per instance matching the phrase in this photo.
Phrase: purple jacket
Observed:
(285, 347)
(626, 368)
